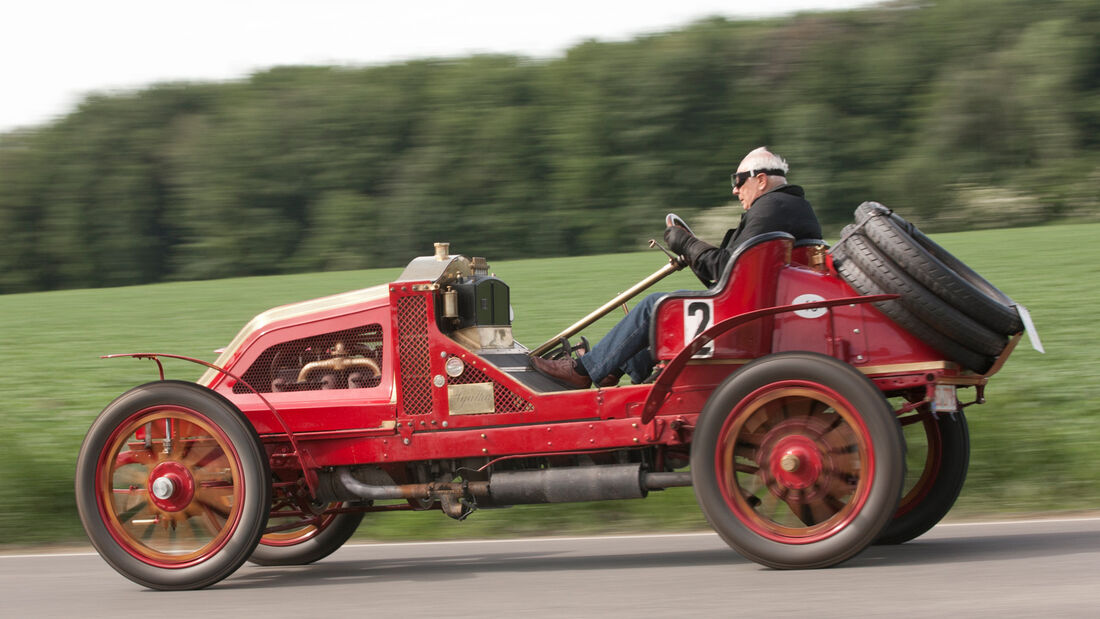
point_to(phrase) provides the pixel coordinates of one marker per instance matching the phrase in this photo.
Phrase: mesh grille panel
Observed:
(340, 360)
(504, 400)
(412, 340)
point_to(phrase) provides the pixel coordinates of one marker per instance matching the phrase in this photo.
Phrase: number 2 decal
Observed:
(698, 316)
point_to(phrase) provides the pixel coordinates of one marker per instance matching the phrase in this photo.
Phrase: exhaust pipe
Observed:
(660, 481)
(560, 485)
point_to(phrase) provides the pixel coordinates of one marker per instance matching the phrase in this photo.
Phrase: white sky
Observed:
(53, 52)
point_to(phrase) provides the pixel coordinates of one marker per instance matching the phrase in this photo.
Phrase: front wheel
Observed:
(797, 461)
(173, 486)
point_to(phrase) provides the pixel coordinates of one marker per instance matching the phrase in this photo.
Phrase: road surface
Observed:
(1047, 568)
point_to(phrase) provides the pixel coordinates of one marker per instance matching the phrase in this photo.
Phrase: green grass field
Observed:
(1036, 442)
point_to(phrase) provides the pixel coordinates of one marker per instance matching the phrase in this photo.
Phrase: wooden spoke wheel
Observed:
(797, 461)
(172, 486)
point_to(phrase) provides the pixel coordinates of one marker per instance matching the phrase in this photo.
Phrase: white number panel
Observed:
(698, 317)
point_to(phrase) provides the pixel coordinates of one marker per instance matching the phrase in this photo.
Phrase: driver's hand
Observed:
(685, 243)
(678, 239)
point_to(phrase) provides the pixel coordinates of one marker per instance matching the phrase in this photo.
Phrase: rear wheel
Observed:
(939, 455)
(316, 536)
(172, 486)
(797, 461)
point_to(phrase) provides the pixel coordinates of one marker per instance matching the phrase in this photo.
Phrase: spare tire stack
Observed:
(943, 302)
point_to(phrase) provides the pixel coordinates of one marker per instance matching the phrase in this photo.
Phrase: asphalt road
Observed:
(1048, 568)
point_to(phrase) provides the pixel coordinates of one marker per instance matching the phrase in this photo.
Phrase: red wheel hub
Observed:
(171, 486)
(795, 462)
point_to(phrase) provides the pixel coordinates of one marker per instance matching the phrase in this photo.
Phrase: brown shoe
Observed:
(562, 371)
(610, 381)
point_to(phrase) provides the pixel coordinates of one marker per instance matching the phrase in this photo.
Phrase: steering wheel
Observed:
(672, 219)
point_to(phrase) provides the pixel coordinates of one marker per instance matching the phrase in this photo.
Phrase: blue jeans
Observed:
(625, 348)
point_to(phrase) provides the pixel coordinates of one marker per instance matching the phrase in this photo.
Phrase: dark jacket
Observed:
(783, 209)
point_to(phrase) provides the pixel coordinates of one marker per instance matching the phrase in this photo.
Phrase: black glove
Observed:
(684, 243)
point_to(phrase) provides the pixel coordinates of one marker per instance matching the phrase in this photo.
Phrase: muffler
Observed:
(567, 484)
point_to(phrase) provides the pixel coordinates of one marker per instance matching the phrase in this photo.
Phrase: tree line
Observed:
(959, 114)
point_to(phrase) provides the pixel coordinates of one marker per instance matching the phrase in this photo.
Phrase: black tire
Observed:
(173, 514)
(938, 270)
(925, 306)
(797, 461)
(894, 310)
(940, 473)
(308, 544)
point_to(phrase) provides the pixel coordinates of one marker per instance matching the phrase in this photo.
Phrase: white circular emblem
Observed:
(454, 367)
(816, 312)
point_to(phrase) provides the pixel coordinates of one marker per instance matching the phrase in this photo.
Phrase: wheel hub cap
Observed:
(171, 486)
(796, 462)
(789, 462)
(163, 488)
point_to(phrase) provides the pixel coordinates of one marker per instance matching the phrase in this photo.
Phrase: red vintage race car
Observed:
(781, 396)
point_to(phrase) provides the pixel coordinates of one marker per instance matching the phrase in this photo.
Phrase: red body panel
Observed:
(408, 417)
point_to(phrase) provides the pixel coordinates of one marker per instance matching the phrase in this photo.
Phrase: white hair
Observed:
(763, 159)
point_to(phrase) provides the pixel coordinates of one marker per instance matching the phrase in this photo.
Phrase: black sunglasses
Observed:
(740, 178)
